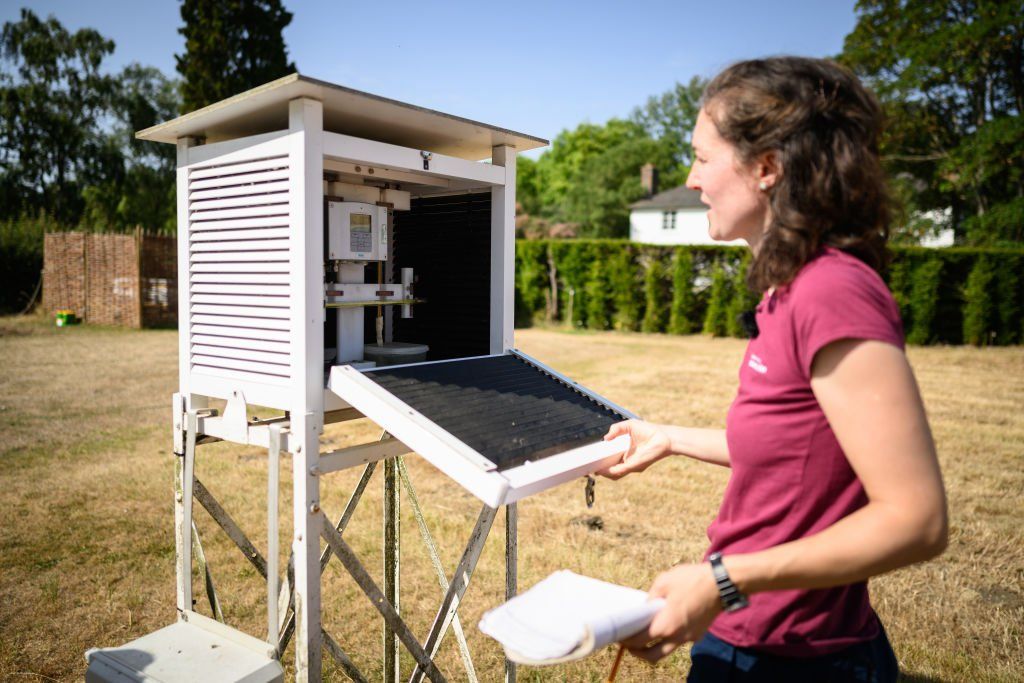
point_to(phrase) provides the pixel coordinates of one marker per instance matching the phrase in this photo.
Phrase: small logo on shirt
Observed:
(757, 365)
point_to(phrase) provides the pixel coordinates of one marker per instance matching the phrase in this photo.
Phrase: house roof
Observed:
(680, 197)
(351, 112)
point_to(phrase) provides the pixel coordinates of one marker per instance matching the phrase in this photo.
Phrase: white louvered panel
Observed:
(239, 342)
(242, 245)
(241, 223)
(268, 209)
(216, 363)
(242, 300)
(228, 329)
(238, 168)
(264, 199)
(267, 256)
(239, 278)
(249, 289)
(244, 180)
(250, 188)
(228, 373)
(243, 321)
(201, 269)
(239, 284)
(271, 312)
(233, 236)
(237, 353)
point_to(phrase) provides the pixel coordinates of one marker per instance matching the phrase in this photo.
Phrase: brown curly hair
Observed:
(824, 128)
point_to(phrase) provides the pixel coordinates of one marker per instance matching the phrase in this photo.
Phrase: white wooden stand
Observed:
(284, 604)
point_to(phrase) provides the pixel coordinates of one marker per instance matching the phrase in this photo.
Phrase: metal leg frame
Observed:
(355, 568)
(281, 611)
(459, 584)
(325, 555)
(435, 560)
(204, 569)
(280, 601)
(511, 570)
(392, 568)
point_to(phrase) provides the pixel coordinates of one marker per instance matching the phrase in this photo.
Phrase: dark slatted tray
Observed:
(503, 407)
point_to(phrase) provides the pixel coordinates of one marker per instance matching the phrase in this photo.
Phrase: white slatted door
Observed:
(239, 279)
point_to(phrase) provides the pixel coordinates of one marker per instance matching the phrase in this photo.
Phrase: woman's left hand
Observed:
(691, 604)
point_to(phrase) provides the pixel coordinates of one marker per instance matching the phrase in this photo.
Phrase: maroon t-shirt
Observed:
(790, 478)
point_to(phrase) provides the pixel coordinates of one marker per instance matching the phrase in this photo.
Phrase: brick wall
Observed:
(123, 280)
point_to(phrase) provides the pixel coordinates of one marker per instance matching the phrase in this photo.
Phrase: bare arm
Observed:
(868, 393)
(871, 400)
(649, 443)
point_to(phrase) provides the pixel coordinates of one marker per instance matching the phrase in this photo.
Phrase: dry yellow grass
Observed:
(87, 552)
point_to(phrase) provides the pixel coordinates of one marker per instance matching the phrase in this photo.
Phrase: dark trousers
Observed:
(716, 661)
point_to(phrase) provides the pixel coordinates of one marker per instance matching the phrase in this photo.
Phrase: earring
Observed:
(763, 186)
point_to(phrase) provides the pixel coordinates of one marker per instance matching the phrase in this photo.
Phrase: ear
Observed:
(768, 169)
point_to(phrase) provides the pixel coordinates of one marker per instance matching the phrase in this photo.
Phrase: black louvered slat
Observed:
(447, 241)
(506, 409)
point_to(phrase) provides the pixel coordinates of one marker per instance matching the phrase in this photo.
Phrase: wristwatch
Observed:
(732, 598)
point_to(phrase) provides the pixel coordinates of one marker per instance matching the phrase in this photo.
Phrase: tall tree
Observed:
(951, 77)
(52, 96)
(669, 118)
(138, 187)
(230, 46)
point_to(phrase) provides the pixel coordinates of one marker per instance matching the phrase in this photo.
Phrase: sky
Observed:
(533, 67)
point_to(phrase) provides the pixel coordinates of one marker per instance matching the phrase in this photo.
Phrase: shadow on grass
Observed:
(918, 678)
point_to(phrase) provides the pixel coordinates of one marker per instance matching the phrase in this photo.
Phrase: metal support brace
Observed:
(459, 584)
(204, 569)
(355, 568)
(184, 475)
(343, 660)
(273, 481)
(392, 568)
(230, 528)
(325, 555)
(435, 560)
(511, 570)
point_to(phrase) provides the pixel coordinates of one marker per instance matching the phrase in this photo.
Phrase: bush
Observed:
(598, 297)
(899, 281)
(1008, 286)
(531, 282)
(21, 259)
(624, 282)
(655, 296)
(979, 307)
(679, 317)
(741, 301)
(716, 319)
(924, 301)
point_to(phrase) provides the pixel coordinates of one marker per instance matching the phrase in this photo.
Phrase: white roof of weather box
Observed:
(346, 111)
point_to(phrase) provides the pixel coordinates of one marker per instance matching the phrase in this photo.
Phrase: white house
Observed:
(675, 216)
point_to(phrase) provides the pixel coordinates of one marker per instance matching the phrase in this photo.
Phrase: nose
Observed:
(693, 180)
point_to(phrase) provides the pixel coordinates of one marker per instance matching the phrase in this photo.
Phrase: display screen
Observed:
(360, 233)
(360, 222)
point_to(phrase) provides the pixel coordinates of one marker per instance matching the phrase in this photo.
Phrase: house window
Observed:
(668, 220)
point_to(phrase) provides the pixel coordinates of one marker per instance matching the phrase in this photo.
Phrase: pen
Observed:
(622, 649)
(616, 663)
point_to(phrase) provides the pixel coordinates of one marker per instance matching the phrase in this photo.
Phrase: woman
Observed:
(834, 475)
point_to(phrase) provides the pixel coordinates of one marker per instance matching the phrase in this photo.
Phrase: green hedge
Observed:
(946, 296)
(21, 260)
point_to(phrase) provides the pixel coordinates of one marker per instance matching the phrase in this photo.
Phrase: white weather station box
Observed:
(356, 231)
(344, 256)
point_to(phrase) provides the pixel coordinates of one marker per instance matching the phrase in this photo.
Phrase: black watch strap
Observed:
(732, 598)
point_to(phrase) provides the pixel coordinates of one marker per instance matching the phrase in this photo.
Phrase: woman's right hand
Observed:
(648, 443)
